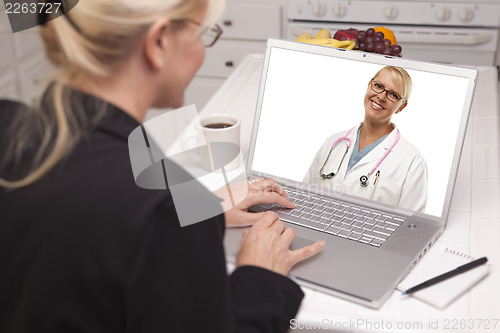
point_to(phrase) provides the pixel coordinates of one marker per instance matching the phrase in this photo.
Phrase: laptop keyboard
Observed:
(338, 218)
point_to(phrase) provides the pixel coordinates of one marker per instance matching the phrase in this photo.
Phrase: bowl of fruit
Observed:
(379, 40)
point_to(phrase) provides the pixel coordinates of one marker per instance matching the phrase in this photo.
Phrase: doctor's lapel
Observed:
(345, 164)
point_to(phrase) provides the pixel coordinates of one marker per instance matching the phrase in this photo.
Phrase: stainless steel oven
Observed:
(458, 32)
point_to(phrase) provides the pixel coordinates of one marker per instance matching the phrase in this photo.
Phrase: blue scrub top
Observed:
(358, 155)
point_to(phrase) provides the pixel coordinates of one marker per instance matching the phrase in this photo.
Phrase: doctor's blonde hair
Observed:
(401, 77)
(90, 41)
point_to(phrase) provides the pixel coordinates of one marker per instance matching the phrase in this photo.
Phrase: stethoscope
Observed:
(363, 179)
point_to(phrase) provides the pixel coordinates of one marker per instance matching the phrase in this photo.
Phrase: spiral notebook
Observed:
(433, 264)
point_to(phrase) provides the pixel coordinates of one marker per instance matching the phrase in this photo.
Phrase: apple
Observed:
(346, 34)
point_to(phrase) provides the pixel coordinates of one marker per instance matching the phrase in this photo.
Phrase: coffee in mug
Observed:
(218, 125)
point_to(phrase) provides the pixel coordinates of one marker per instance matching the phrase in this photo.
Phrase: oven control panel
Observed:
(442, 13)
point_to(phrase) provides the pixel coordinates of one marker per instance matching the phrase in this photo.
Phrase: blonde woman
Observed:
(372, 159)
(86, 250)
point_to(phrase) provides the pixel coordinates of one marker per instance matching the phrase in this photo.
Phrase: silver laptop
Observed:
(309, 97)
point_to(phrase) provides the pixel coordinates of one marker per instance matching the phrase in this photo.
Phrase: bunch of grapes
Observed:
(371, 41)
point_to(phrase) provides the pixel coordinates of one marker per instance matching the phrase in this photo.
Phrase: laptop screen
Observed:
(312, 98)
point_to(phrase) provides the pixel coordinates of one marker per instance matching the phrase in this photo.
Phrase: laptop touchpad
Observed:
(300, 242)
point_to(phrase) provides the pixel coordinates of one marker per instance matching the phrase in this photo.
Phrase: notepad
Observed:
(433, 264)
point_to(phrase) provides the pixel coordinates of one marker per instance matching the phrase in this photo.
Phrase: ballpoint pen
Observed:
(447, 275)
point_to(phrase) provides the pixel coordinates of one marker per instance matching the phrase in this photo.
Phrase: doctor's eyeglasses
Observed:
(391, 95)
(210, 34)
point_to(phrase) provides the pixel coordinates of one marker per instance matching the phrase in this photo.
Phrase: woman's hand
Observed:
(245, 195)
(267, 245)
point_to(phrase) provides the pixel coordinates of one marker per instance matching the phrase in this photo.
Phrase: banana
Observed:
(303, 37)
(322, 34)
(353, 44)
(345, 44)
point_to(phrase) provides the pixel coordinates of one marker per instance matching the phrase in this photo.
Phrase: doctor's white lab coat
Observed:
(403, 173)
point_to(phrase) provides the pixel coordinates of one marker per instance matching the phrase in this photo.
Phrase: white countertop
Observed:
(473, 225)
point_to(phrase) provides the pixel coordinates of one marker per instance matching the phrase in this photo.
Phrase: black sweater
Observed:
(85, 249)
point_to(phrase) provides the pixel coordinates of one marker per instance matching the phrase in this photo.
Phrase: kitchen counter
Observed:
(473, 225)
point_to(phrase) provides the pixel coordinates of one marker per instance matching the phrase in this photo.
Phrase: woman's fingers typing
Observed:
(278, 226)
(269, 191)
(268, 219)
(246, 195)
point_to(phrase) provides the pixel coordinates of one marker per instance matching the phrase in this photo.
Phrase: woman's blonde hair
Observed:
(91, 40)
(401, 77)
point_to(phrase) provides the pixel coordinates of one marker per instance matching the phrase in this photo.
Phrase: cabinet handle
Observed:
(229, 63)
(227, 23)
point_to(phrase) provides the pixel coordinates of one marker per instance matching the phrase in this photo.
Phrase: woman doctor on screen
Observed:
(373, 160)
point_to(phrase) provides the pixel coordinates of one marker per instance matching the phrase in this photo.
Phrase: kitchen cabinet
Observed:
(247, 25)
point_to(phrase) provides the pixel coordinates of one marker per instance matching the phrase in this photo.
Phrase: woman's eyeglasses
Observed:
(209, 35)
(390, 94)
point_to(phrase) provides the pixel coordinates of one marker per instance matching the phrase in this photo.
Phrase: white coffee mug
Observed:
(221, 128)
